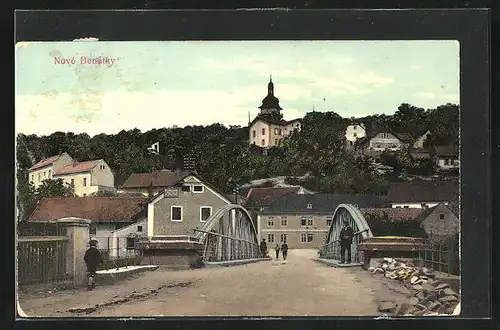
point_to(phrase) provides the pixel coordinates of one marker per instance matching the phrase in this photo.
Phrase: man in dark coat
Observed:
(284, 250)
(263, 248)
(346, 236)
(92, 259)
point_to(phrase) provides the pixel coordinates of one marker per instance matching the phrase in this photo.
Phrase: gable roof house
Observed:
(152, 183)
(422, 194)
(381, 139)
(447, 157)
(439, 222)
(45, 168)
(109, 216)
(303, 220)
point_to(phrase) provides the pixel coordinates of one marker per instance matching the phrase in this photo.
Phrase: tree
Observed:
(105, 193)
(54, 188)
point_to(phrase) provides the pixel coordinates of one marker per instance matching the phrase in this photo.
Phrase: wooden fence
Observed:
(442, 255)
(41, 259)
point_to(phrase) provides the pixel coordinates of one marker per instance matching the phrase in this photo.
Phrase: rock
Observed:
(386, 306)
(389, 260)
(420, 295)
(433, 305)
(87, 310)
(420, 312)
(448, 299)
(413, 279)
(411, 310)
(391, 267)
(417, 287)
(401, 309)
(371, 269)
(429, 297)
(427, 288)
(449, 292)
(384, 266)
(420, 307)
(413, 301)
(441, 286)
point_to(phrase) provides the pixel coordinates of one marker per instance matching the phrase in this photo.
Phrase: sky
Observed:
(159, 84)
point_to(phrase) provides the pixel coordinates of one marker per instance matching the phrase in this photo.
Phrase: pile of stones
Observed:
(428, 296)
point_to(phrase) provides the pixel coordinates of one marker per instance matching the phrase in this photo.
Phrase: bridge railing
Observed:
(220, 247)
(332, 250)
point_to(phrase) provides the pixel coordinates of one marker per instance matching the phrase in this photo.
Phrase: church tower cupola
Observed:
(270, 104)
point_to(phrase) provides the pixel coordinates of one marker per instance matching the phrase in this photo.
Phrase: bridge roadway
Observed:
(298, 287)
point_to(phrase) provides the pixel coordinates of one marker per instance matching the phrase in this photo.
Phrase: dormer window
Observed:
(186, 188)
(198, 188)
(355, 127)
(309, 206)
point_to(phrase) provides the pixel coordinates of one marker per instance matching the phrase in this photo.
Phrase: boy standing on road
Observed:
(277, 248)
(92, 259)
(284, 249)
(263, 248)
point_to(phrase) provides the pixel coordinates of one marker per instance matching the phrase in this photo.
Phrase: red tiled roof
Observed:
(44, 162)
(393, 214)
(77, 167)
(266, 196)
(161, 178)
(98, 209)
(423, 191)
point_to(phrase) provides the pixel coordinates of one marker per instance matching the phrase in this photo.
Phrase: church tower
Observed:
(270, 104)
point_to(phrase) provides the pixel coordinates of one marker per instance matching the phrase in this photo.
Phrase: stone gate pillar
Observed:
(78, 233)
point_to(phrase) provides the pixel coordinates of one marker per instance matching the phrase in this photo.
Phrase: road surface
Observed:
(299, 286)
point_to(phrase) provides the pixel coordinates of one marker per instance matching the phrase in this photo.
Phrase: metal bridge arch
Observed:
(349, 212)
(229, 234)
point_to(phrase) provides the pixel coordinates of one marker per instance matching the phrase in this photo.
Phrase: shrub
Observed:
(120, 262)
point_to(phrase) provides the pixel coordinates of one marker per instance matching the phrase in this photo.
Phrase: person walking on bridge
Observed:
(346, 236)
(284, 250)
(277, 249)
(263, 248)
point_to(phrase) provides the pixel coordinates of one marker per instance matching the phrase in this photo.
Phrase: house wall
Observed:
(191, 203)
(102, 176)
(294, 230)
(351, 129)
(119, 238)
(448, 163)
(420, 141)
(383, 141)
(447, 226)
(47, 172)
(257, 140)
(291, 127)
(79, 188)
(103, 235)
(414, 205)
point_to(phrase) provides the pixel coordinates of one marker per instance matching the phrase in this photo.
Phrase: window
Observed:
(303, 221)
(253, 142)
(283, 238)
(270, 238)
(355, 134)
(50, 172)
(309, 206)
(270, 221)
(310, 238)
(93, 229)
(284, 221)
(328, 221)
(406, 206)
(205, 213)
(72, 182)
(39, 175)
(253, 133)
(130, 243)
(310, 221)
(441, 216)
(186, 188)
(139, 229)
(84, 195)
(303, 238)
(276, 141)
(84, 182)
(44, 174)
(198, 189)
(102, 167)
(354, 128)
(263, 131)
(263, 142)
(446, 161)
(176, 213)
(32, 178)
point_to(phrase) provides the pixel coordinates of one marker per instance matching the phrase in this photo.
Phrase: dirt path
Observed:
(297, 287)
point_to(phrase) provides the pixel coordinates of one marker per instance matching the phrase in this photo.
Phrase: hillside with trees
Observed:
(222, 156)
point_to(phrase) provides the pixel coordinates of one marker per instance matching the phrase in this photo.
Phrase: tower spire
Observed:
(270, 78)
(270, 86)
